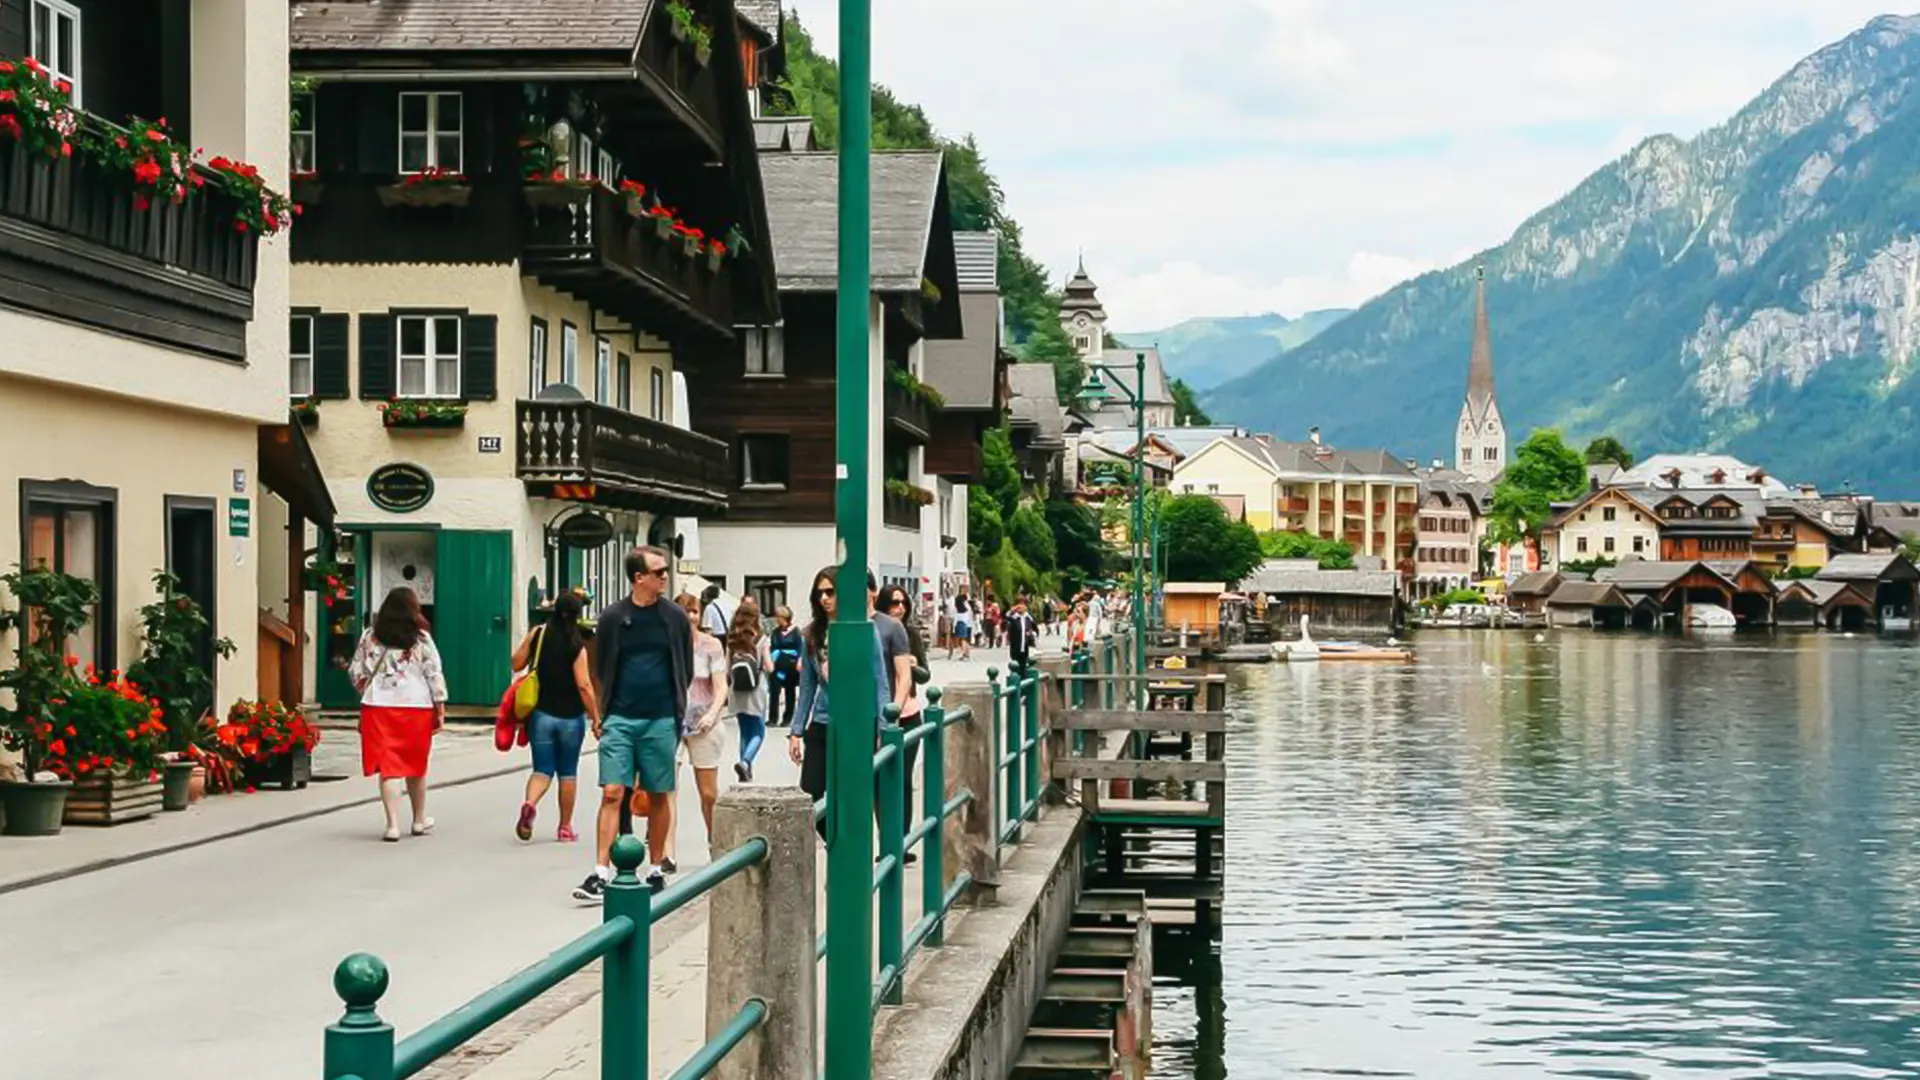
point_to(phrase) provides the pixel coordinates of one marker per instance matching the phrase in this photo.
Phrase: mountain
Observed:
(1207, 352)
(1754, 290)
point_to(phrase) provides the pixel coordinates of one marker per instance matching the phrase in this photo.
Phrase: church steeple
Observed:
(1081, 314)
(1482, 437)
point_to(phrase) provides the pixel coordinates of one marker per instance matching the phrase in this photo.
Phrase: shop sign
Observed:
(586, 531)
(239, 517)
(400, 488)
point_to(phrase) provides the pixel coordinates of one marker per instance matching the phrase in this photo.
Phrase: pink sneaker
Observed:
(566, 835)
(524, 830)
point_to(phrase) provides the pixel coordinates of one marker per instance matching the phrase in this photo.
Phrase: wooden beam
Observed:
(1196, 678)
(1151, 720)
(1130, 769)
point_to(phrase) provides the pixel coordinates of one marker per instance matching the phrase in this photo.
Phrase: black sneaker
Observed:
(741, 772)
(591, 891)
(656, 881)
(667, 867)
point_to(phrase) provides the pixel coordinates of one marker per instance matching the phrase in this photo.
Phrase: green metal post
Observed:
(850, 643)
(1138, 536)
(624, 972)
(359, 1044)
(998, 726)
(1032, 741)
(893, 835)
(1010, 751)
(933, 803)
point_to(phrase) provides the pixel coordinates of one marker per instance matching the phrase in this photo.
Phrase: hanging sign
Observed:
(239, 517)
(585, 531)
(400, 488)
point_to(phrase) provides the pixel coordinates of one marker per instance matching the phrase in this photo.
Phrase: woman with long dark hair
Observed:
(403, 703)
(557, 654)
(749, 666)
(807, 742)
(893, 600)
(785, 646)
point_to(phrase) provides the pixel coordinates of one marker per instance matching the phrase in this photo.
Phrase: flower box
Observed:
(403, 413)
(703, 53)
(307, 190)
(112, 799)
(439, 421)
(691, 245)
(289, 770)
(424, 195)
(636, 205)
(714, 259)
(545, 194)
(663, 226)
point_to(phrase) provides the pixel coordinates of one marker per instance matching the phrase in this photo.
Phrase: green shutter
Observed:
(480, 357)
(330, 357)
(379, 374)
(473, 603)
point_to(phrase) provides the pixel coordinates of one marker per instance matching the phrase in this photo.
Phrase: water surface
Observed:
(1599, 856)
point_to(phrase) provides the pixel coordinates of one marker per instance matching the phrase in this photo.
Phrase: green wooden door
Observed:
(473, 601)
(339, 633)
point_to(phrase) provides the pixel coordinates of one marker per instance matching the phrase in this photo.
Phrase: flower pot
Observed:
(290, 770)
(34, 809)
(691, 246)
(556, 195)
(713, 261)
(197, 786)
(424, 195)
(636, 205)
(309, 418)
(176, 785)
(702, 54)
(679, 30)
(112, 800)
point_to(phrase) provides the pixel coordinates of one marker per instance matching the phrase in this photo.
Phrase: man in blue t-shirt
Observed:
(645, 664)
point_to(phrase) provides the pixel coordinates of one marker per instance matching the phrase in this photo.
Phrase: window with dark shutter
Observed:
(380, 130)
(330, 357)
(377, 365)
(480, 358)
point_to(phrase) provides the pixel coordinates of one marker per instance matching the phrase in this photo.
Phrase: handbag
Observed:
(506, 724)
(526, 692)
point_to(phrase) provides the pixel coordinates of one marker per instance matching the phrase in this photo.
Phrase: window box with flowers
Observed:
(556, 189)
(913, 493)
(272, 743)
(663, 221)
(428, 188)
(635, 194)
(692, 240)
(113, 735)
(423, 413)
(689, 30)
(306, 412)
(305, 188)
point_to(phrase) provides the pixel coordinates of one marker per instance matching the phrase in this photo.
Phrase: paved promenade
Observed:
(208, 938)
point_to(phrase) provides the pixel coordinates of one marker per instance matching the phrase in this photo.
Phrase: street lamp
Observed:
(1097, 390)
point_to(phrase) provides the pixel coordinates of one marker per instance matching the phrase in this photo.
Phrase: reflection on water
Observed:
(1601, 855)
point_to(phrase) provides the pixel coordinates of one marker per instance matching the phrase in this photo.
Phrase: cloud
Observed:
(1250, 154)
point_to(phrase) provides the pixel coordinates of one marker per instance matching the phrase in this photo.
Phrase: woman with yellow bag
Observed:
(556, 699)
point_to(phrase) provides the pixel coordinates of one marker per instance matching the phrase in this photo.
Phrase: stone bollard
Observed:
(969, 837)
(760, 937)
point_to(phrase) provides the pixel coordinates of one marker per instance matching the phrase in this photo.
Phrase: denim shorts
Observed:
(555, 741)
(639, 752)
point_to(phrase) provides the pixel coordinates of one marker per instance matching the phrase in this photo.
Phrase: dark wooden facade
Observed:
(1333, 613)
(954, 452)
(135, 57)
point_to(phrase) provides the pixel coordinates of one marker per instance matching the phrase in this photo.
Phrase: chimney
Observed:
(1313, 435)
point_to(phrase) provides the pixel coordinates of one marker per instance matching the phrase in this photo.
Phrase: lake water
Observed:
(1601, 856)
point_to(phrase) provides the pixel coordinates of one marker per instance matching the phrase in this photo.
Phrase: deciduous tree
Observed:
(1545, 470)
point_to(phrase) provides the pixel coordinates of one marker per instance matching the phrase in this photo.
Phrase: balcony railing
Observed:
(596, 453)
(180, 274)
(620, 263)
(908, 412)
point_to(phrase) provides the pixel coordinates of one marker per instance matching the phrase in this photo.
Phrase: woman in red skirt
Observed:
(403, 697)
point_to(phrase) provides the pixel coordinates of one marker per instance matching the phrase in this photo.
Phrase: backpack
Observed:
(744, 673)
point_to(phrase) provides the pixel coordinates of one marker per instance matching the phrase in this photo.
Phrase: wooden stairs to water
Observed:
(1092, 1021)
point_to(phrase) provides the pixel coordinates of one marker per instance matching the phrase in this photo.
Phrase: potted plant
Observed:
(663, 222)
(635, 194)
(430, 187)
(48, 607)
(173, 673)
(716, 253)
(274, 742)
(332, 581)
(423, 413)
(692, 240)
(114, 737)
(306, 412)
(261, 210)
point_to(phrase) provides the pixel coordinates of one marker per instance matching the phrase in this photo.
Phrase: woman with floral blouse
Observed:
(403, 703)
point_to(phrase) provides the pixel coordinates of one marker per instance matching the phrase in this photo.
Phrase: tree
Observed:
(1031, 537)
(1078, 549)
(985, 530)
(1545, 470)
(1186, 407)
(1201, 544)
(1607, 449)
(1002, 472)
(1330, 553)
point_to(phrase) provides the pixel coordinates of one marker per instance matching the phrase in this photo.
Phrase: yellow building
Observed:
(1369, 498)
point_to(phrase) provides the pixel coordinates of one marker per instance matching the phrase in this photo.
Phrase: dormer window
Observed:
(430, 132)
(56, 41)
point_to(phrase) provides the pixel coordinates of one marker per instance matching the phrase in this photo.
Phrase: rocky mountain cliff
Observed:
(1207, 352)
(1755, 289)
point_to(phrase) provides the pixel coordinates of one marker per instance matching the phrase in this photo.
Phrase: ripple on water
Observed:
(1625, 856)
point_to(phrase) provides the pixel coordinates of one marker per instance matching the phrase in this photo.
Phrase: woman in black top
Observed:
(559, 722)
(784, 645)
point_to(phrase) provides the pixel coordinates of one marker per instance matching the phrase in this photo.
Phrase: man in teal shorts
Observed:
(645, 664)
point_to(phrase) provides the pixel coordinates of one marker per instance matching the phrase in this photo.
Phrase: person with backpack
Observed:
(554, 656)
(749, 663)
(785, 646)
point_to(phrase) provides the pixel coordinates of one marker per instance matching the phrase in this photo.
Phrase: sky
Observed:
(1234, 157)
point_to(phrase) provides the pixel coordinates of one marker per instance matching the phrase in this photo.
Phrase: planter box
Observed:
(112, 800)
(290, 772)
(33, 809)
(428, 422)
(702, 54)
(691, 246)
(713, 262)
(557, 195)
(663, 227)
(424, 195)
(308, 420)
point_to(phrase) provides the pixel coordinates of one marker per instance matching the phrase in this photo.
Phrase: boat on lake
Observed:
(1307, 650)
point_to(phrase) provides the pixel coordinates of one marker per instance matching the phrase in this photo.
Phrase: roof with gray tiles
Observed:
(1587, 594)
(977, 255)
(1319, 461)
(1036, 402)
(1277, 580)
(963, 369)
(466, 25)
(802, 191)
(1890, 567)
(763, 14)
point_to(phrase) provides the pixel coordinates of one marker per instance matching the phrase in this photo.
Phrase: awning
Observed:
(289, 470)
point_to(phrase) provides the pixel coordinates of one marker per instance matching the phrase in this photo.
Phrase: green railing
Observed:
(361, 1046)
(1016, 749)
(897, 942)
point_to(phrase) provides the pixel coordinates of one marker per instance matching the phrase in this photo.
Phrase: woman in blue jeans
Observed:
(749, 667)
(558, 725)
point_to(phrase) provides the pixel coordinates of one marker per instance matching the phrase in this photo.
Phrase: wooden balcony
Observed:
(899, 511)
(596, 453)
(693, 88)
(623, 266)
(907, 412)
(73, 246)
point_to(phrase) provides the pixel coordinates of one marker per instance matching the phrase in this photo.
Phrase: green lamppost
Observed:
(850, 642)
(1096, 390)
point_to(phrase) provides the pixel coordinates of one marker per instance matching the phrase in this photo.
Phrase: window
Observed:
(430, 132)
(300, 356)
(623, 382)
(1608, 513)
(1081, 341)
(1213, 489)
(607, 169)
(763, 461)
(56, 41)
(303, 154)
(1491, 453)
(429, 355)
(765, 351)
(536, 357)
(569, 354)
(69, 527)
(602, 371)
(657, 397)
(1580, 545)
(768, 592)
(1606, 545)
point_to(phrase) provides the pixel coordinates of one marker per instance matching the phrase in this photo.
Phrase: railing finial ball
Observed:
(934, 694)
(360, 980)
(628, 853)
